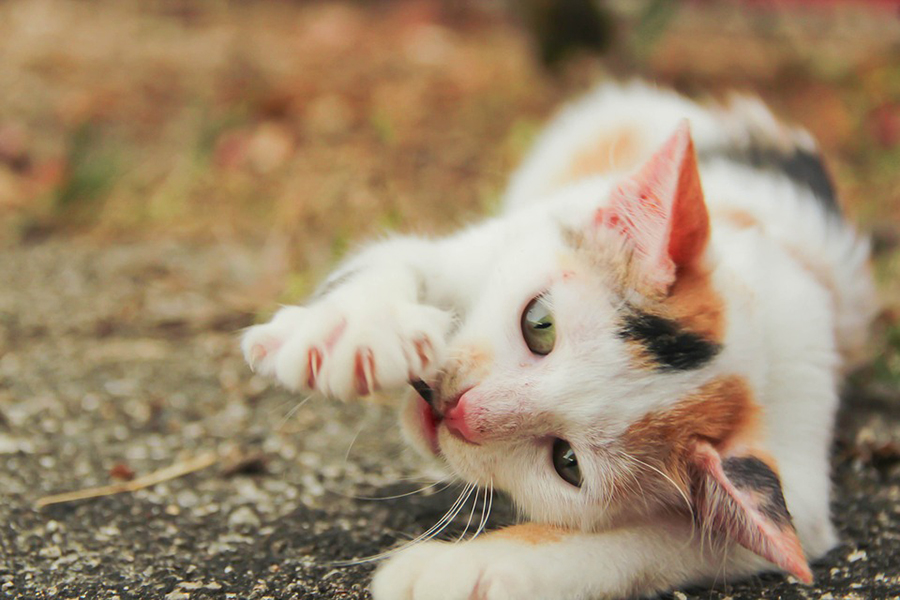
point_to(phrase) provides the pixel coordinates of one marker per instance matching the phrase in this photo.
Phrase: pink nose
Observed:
(455, 418)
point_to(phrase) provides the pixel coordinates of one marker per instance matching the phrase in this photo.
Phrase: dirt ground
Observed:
(170, 171)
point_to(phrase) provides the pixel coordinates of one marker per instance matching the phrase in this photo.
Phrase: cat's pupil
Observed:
(565, 462)
(537, 326)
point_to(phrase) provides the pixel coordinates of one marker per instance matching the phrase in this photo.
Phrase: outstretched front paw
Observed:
(442, 571)
(350, 346)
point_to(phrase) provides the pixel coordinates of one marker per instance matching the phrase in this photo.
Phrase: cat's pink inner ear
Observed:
(661, 209)
(740, 496)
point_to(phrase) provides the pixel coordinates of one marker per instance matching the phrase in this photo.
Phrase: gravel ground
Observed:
(120, 360)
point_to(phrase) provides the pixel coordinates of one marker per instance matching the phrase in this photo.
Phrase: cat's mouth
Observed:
(430, 419)
(454, 422)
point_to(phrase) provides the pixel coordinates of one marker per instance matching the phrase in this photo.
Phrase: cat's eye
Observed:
(566, 463)
(538, 328)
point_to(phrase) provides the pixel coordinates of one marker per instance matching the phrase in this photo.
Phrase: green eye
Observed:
(538, 327)
(566, 463)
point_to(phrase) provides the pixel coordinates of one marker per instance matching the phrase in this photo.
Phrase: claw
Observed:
(314, 365)
(364, 370)
(257, 353)
(423, 349)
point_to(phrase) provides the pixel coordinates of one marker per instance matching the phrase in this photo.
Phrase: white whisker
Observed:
(485, 514)
(447, 483)
(681, 492)
(291, 413)
(471, 514)
(353, 441)
(433, 531)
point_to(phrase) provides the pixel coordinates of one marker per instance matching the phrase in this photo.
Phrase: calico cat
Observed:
(643, 350)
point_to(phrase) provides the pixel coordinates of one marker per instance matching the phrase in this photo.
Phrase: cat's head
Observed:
(586, 380)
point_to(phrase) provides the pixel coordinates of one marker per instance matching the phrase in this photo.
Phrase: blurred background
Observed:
(170, 170)
(305, 126)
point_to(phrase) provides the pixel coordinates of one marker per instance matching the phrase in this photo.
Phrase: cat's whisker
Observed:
(723, 568)
(353, 441)
(291, 413)
(486, 514)
(681, 492)
(637, 488)
(610, 484)
(396, 496)
(665, 476)
(481, 520)
(471, 514)
(449, 519)
(433, 531)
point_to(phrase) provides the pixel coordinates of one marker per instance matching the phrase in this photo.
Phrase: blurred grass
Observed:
(309, 127)
(93, 168)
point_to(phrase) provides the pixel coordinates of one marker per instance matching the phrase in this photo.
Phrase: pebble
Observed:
(856, 555)
(50, 552)
(243, 518)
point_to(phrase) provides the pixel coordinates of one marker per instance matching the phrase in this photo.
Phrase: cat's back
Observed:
(614, 129)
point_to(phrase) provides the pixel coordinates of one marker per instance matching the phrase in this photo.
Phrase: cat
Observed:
(643, 351)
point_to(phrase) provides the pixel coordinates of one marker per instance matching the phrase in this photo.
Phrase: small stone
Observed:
(190, 585)
(856, 555)
(243, 518)
(51, 552)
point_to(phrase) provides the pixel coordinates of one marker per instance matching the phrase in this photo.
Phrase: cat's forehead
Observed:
(542, 261)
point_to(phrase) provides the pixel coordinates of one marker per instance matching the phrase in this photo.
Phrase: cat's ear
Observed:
(739, 495)
(661, 210)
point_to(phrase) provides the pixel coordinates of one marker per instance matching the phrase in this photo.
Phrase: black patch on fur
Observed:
(801, 166)
(752, 474)
(671, 346)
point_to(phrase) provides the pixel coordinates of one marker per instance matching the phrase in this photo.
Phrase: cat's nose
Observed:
(444, 404)
(435, 398)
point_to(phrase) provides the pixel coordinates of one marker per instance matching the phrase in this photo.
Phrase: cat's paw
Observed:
(348, 346)
(441, 571)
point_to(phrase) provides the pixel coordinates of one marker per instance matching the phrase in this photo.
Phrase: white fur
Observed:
(798, 297)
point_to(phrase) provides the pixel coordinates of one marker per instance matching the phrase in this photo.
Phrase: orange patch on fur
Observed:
(721, 412)
(739, 218)
(471, 363)
(530, 533)
(616, 151)
(693, 302)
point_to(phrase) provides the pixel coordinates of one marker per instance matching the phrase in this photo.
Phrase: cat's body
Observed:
(697, 340)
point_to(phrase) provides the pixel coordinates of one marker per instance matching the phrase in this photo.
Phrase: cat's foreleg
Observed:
(380, 320)
(535, 561)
